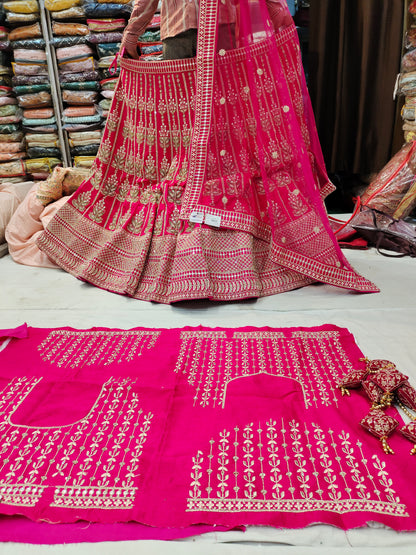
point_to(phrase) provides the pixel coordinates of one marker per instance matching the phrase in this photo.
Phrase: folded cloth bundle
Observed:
(78, 86)
(43, 151)
(4, 34)
(11, 119)
(81, 138)
(108, 10)
(105, 37)
(30, 79)
(83, 161)
(409, 61)
(106, 61)
(76, 12)
(63, 42)
(108, 49)
(31, 89)
(409, 128)
(29, 55)
(85, 150)
(108, 73)
(61, 182)
(22, 68)
(71, 127)
(69, 29)
(42, 139)
(41, 164)
(83, 77)
(42, 98)
(82, 119)
(21, 6)
(107, 94)
(149, 36)
(106, 25)
(9, 128)
(82, 64)
(32, 44)
(7, 156)
(41, 129)
(409, 108)
(9, 110)
(5, 91)
(75, 52)
(58, 5)
(26, 32)
(105, 104)
(7, 100)
(79, 111)
(28, 122)
(11, 137)
(387, 189)
(108, 84)
(12, 147)
(11, 169)
(79, 97)
(21, 18)
(38, 113)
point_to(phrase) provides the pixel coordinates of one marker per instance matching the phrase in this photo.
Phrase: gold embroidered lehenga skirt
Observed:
(209, 181)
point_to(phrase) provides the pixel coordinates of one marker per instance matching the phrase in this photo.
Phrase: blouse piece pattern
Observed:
(227, 426)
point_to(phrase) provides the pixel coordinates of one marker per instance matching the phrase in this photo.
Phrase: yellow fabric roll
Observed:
(22, 6)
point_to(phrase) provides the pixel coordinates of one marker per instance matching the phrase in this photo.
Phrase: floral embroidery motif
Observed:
(300, 357)
(289, 468)
(76, 349)
(93, 463)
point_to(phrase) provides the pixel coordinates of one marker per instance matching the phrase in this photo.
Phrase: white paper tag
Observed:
(196, 217)
(214, 221)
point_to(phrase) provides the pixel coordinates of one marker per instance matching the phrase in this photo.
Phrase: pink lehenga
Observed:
(209, 181)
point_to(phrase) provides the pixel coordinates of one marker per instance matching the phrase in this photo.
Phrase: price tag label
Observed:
(214, 221)
(196, 217)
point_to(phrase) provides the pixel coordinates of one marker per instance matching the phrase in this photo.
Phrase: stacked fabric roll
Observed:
(77, 67)
(36, 115)
(150, 44)
(407, 80)
(12, 148)
(106, 23)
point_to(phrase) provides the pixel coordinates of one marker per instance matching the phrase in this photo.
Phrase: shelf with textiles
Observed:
(35, 116)
(85, 39)
(406, 82)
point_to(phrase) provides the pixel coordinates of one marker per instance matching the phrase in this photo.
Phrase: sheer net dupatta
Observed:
(209, 178)
(255, 160)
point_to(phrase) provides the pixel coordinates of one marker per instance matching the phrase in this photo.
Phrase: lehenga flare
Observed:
(209, 181)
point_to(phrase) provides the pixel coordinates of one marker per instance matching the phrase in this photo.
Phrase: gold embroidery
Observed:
(82, 201)
(299, 357)
(92, 463)
(78, 349)
(98, 212)
(267, 471)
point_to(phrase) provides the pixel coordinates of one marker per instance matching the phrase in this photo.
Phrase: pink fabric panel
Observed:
(27, 223)
(171, 428)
